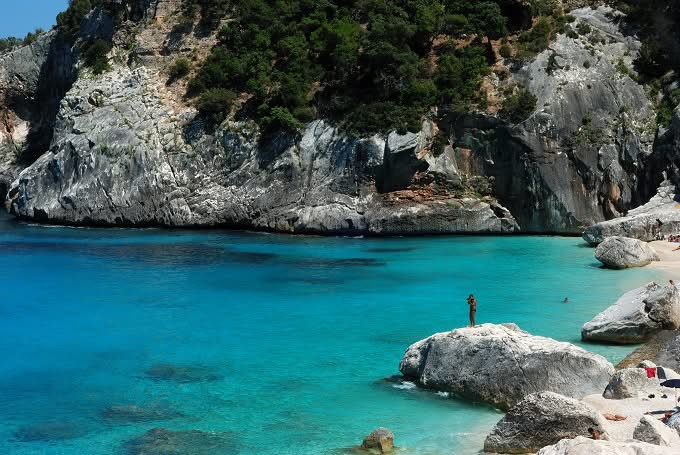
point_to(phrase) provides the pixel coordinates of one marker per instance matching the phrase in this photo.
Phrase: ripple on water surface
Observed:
(115, 341)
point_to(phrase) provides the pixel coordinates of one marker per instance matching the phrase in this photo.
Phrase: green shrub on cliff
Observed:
(179, 69)
(518, 106)
(10, 43)
(95, 55)
(368, 65)
(214, 104)
(69, 21)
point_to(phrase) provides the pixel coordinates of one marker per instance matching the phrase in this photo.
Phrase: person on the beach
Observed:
(473, 309)
(594, 434)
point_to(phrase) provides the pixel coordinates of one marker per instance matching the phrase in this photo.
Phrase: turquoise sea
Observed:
(275, 344)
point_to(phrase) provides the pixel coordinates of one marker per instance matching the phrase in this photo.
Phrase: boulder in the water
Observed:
(539, 420)
(501, 364)
(160, 441)
(636, 316)
(623, 253)
(380, 440)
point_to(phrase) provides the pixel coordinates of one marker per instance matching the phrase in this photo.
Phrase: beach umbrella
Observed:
(675, 384)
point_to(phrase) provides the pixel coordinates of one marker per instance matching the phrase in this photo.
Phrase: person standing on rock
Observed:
(473, 309)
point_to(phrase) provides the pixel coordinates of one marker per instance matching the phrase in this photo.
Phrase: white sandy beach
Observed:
(670, 260)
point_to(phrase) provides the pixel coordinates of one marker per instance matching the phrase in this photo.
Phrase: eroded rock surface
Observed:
(127, 151)
(670, 354)
(380, 440)
(658, 217)
(501, 364)
(539, 420)
(624, 252)
(636, 316)
(585, 446)
(633, 383)
(652, 431)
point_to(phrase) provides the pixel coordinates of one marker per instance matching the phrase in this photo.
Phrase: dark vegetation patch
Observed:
(368, 65)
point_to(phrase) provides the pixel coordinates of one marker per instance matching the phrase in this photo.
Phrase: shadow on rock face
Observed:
(50, 431)
(160, 441)
(181, 373)
(134, 413)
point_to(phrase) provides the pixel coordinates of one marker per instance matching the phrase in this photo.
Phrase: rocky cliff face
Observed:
(574, 162)
(125, 149)
(121, 156)
(33, 79)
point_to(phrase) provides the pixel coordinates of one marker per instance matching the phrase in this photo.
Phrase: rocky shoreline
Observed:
(125, 148)
(555, 392)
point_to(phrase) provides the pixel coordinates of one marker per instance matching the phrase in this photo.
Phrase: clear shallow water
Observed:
(294, 333)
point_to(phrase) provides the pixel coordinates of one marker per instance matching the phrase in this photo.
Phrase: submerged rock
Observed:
(160, 441)
(539, 420)
(585, 446)
(501, 364)
(134, 413)
(181, 373)
(380, 440)
(623, 253)
(654, 432)
(636, 316)
(50, 431)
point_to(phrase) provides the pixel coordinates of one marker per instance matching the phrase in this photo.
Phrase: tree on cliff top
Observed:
(369, 65)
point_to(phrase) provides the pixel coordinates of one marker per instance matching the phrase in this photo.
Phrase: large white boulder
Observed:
(501, 364)
(634, 383)
(636, 316)
(585, 446)
(542, 419)
(624, 252)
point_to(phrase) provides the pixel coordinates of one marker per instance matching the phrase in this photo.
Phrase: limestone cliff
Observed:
(125, 148)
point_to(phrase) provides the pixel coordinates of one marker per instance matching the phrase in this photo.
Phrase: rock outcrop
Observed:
(652, 431)
(501, 364)
(136, 162)
(127, 151)
(624, 252)
(669, 355)
(573, 162)
(539, 420)
(585, 446)
(33, 79)
(636, 316)
(380, 440)
(658, 217)
(633, 383)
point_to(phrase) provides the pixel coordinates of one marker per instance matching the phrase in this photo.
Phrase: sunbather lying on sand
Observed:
(614, 417)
